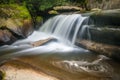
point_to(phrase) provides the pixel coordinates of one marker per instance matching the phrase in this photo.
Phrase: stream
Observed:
(61, 58)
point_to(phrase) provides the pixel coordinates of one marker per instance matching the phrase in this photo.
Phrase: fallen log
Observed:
(42, 42)
(100, 48)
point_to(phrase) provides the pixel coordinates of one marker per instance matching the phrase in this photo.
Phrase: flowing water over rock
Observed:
(58, 58)
(66, 27)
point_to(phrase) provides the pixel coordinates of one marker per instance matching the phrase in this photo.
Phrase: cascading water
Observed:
(66, 27)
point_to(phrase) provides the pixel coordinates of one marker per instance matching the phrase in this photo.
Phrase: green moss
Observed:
(14, 11)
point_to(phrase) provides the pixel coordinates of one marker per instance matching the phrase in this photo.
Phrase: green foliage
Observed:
(44, 4)
(23, 12)
(42, 7)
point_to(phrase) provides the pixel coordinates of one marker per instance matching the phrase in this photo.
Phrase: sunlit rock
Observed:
(62, 9)
(15, 70)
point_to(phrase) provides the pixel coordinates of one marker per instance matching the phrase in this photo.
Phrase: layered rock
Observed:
(100, 48)
(103, 24)
(104, 32)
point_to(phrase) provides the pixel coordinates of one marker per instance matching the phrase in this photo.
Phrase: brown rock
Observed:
(21, 27)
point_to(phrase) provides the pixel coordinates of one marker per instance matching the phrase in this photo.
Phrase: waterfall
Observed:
(66, 27)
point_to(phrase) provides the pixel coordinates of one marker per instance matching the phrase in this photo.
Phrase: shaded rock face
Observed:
(6, 37)
(105, 35)
(14, 25)
(104, 4)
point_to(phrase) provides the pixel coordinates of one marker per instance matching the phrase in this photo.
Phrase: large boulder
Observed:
(17, 20)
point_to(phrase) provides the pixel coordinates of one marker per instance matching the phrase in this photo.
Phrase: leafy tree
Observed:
(41, 7)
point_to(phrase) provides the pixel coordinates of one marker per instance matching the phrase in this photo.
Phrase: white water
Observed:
(66, 27)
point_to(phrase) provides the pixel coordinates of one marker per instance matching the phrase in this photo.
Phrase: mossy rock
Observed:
(16, 19)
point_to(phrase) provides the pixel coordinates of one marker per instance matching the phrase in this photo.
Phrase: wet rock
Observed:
(16, 70)
(107, 50)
